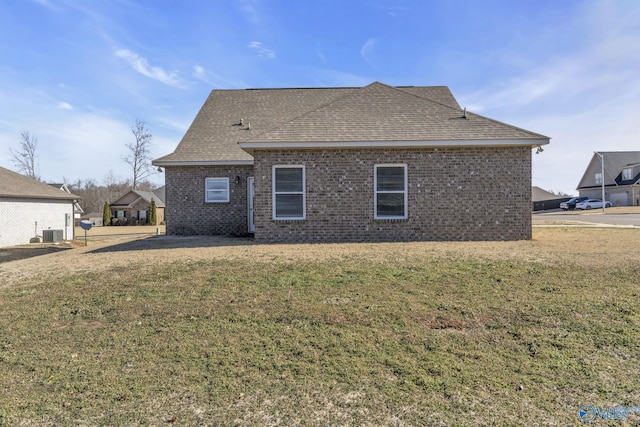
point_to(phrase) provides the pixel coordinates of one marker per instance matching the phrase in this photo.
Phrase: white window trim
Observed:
(205, 190)
(303, 192)
(375, 191)
(598, 178)
(630, 171)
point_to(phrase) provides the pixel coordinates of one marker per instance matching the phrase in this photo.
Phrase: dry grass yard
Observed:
(214, 331)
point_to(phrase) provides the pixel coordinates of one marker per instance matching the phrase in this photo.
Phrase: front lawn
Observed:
(412, 338)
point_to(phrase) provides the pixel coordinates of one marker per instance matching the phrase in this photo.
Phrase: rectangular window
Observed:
(288, 192)
(627, 174)
(390, 182)
(599, 178)
(216, 190)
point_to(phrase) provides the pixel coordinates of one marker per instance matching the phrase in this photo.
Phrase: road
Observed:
(618, 219)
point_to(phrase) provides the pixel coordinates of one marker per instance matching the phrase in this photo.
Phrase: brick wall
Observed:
(187, 213)
(453, 194)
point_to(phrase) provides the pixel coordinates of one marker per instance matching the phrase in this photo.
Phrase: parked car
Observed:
(571, 203)
(592, 204)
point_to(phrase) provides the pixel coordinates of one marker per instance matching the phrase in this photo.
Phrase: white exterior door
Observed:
(250, 210)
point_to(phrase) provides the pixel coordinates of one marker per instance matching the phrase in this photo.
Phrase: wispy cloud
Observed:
(142, 66)
(367, 51)
(213, 79)
(394, 9)
(250, 10)
(205, 76)
(199, 72)
(64, 106)
(585, 100)
(261, 51)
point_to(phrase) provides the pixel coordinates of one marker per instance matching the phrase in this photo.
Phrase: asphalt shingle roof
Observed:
(614, 162)
(145, 195)
(374, 113)
(14, 185)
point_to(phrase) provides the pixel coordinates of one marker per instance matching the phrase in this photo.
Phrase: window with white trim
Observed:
(390, 183)
(216, 190)
(627, 174)
(289, 192)
(598, 178)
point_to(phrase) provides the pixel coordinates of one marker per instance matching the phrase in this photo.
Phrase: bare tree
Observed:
(114, 186)
(139, 157)
(25, 159)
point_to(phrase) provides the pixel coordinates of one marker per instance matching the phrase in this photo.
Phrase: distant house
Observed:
(621, 177)
(95, 218)
(30, 209)
(373, 163)
(133, 207)
(544, 200)
(78, 211)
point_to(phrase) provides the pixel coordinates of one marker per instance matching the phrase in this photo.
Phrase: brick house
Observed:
(133, 207)
(376, 163)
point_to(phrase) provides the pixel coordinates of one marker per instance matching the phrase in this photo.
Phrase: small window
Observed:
(390, 200)
(288, 192)
(599, 178)
(216, 190)
(627, 174)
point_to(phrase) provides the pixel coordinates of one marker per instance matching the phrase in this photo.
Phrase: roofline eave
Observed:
(250, 146)
(30, 196)
(165, 163)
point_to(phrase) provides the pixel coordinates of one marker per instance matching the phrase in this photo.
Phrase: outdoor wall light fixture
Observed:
(237, 180)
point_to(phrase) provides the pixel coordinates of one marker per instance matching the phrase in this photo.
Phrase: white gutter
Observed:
(203, 163)
(394, 144)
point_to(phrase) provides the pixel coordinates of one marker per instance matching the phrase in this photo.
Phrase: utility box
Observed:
(52, 236)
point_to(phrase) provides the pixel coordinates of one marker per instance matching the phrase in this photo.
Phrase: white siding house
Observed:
(29, 208)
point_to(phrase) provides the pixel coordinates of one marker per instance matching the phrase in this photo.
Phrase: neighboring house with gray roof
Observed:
(133, 207)
(544, 200)
(376, 163)
(621, 177)
(30, 209)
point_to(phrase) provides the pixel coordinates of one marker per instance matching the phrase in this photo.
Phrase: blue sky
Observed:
(78, 73)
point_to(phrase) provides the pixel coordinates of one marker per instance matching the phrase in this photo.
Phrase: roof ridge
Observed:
(353, 92)
(316, 108)
(424, 97)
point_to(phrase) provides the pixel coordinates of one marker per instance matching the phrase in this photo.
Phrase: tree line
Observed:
(93, 193)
